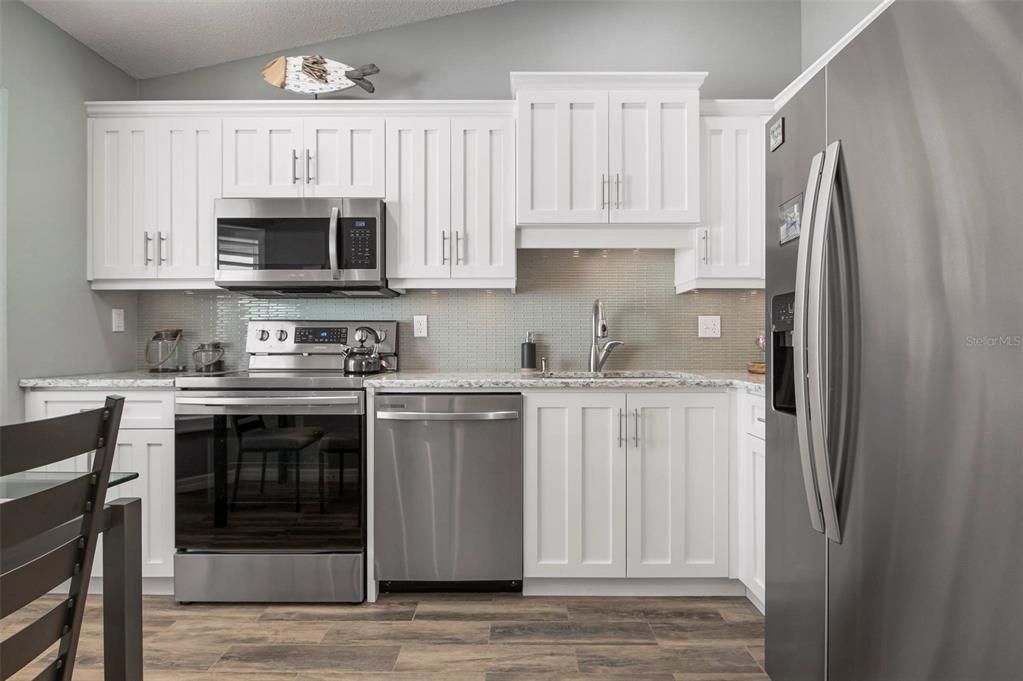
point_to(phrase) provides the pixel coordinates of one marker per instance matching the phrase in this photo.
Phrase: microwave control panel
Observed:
(358, 243)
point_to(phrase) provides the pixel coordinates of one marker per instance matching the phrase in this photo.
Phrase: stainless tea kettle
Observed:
(363, 360)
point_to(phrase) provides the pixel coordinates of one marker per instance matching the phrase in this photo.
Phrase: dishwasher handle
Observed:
(448, 415)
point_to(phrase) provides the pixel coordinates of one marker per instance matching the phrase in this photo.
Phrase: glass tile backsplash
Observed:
(483, 329)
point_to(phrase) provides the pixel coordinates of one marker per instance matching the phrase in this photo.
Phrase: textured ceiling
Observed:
(148, 38)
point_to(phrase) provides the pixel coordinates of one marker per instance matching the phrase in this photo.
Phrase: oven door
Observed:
(270, 472)
(284, 242)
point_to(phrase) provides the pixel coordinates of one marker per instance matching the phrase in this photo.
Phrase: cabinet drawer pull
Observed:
(444, 247)
(618, 191)
(706, 246)
(760, 419)
(308, 166)
(635, 434)
(621, 430)
(459, 249)
(161, 252)
(603, 191)
(146, 240)
(294, 166)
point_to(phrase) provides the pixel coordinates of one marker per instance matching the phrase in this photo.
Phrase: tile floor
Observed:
(434, 637)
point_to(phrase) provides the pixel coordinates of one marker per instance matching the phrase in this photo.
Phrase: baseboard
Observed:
(757, 603)
(632, 587)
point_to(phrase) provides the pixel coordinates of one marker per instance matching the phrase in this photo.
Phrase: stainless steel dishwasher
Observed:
(448, 489)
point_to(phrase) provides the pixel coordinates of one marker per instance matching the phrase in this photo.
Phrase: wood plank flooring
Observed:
(440, 637)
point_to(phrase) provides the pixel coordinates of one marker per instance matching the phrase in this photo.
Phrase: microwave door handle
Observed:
(816, 339)
(799, 345)
(332, 242)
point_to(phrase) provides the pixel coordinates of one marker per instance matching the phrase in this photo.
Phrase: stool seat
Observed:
(339, 441)
(281, 438)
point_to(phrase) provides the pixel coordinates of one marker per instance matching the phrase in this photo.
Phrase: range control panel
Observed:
(314, 337)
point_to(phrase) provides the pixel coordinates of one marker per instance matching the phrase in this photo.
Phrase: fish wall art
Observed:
(316, 75)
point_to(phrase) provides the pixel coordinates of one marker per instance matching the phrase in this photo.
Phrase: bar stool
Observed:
(254, 437)
(341, 443)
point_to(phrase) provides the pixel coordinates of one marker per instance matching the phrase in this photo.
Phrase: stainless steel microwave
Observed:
(302, 247)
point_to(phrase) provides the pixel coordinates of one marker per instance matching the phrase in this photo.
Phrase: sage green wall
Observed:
(55, 323)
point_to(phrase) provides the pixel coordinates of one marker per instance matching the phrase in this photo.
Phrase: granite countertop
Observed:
(422, 380)
(140, 378)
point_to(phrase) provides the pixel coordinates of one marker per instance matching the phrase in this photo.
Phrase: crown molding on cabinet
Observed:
(736, 107)
(221, 107)
(623, 80)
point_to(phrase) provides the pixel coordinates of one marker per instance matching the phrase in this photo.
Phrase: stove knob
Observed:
(282, 335)
(264, 335)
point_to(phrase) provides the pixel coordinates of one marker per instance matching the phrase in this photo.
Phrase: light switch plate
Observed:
(709, 326)
(419, 327)
(117, 319)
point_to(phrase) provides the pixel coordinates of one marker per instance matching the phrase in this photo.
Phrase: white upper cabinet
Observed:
(343, 156)
(188, 183)
(727, 250)
(653, 156)
(263, 157)
(562, 157)
(607, 160)
(678, 524)
(482, 198)
(450, 193)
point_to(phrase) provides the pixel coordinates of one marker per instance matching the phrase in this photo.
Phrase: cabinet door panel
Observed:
(123, 192)
(562, 157)
(189, 180)
(751, 510)
(678, 485)
(419, 198)
(574, 522)
(262, 157)
(345, 157)
(483, 198)
(654, 156)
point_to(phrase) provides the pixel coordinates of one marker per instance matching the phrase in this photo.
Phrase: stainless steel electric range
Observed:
(270, 494)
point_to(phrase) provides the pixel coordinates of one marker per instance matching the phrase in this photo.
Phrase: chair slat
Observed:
(14, 557)
(34, 514)
(21, 586)
(39, 443)
(18, 650)
(52, 671)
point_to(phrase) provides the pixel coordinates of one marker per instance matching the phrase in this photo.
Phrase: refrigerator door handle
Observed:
(816, 341)
(799, 345)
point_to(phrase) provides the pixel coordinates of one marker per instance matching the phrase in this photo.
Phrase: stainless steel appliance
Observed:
(894, 437)
(270, 469)
(448, 489)
(302, 247)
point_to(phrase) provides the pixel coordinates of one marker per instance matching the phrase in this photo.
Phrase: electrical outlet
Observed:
(419, 328)
(117, 319)
(709, 326)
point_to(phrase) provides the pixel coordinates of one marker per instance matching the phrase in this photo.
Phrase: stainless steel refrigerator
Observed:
(895, 381)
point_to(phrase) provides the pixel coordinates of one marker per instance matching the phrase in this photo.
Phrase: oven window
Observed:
(269, 483)
(273, 244)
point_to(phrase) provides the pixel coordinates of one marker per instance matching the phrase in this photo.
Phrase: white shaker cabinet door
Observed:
(483, 197)
(654, 156)
(419, 198)
(188, 182)
(263, 157)
(123, 198)
(678, 520)
(562, 157)
(730, 241)
(751, 507)
(574, 519)
(344, 157)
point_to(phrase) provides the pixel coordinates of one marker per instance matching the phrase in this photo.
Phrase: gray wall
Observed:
(481, 330)
(824, 22)
(56, 325)
(750, 47)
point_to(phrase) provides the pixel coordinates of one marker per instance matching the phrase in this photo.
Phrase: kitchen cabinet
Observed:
(152, 184)
(618, 155)
(449, 202)
(272, 157)
(750, 507)
(626, 484)
(727, 248)
(145, 445)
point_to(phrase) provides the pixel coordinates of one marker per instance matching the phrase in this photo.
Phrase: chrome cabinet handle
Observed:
(444, 247)
(308, 166)
(635, 435)
(760, 419)
(815, 340)
(621, 430)
(294, 166)
(618, 190)
(332, 240)
(799, 345)
(146, 240)
(603, 191)
(161, 256)
(447, 416)
(706, 246)
(459, 256)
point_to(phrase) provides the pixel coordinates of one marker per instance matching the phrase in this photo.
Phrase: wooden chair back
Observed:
(50, 536)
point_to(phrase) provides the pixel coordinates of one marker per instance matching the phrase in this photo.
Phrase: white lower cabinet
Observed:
(626, 484)
(148, 451)
(751, 508)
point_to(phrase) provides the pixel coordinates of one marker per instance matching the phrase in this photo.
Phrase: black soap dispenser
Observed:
(529, 352)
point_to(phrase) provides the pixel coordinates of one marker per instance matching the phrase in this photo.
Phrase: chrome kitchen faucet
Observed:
(599, 353)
